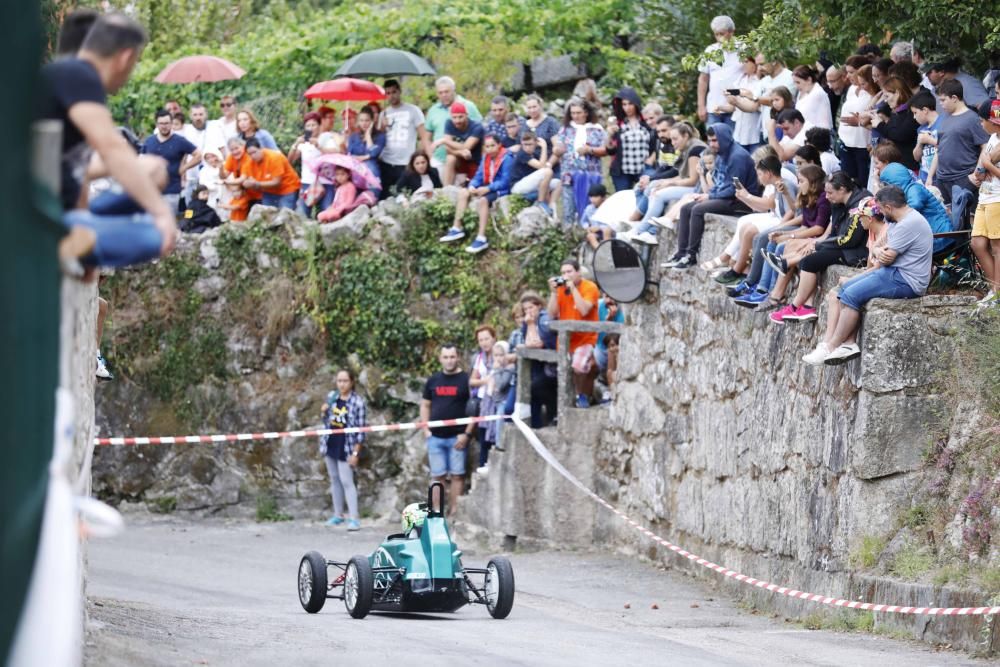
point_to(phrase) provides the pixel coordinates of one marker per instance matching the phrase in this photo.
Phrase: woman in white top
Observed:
(812, 103)
(853, 134)
(306, 149)
(746, 113)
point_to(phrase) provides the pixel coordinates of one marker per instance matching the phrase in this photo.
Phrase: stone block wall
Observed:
(721, 439)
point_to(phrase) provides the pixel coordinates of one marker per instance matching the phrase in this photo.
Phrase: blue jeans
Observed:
(658, 203)
(757, 263)
(882, 283)
(768, 275)
(726, 118)
(280, 201)
(443, 456)
(121, 240)
(324, 202)
(624, 181)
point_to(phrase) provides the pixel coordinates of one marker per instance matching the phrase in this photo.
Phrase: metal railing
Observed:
(561, 357)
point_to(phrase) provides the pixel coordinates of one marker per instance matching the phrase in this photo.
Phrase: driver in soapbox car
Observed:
(419, 570)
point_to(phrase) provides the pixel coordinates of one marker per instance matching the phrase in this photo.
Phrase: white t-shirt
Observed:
(769, 83)
(721, 76)
(799, 140)
(748, 126)
(830, 162)
(401, 125)
(308, 152)
(815, 107)
(856, 100)
(195, 136)
(989, 191)
(218, 132)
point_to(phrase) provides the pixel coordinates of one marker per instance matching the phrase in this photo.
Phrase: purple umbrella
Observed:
(363, 178)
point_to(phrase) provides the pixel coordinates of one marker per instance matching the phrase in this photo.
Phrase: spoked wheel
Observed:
(312, 582)
(499, 587)
(358, 587)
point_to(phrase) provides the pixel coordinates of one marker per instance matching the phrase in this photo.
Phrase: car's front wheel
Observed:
(312, 582)
(499, 587)
(358, 587)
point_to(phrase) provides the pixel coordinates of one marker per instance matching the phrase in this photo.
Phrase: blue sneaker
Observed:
(742, 288)
(545, 207)
(334, 521)
(353, 525)
(452, 235)
(477, 246)
(582, 401)
(751, 300)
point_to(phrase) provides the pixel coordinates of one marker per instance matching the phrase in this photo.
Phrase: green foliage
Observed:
(917, 516)
(289, 46)
(163, 505)
(845, 621)
(979, 341)
(912, 562)
(268, 510)
(866, 554)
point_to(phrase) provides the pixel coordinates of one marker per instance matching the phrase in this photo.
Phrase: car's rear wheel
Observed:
(499, 587)
(358, 587)
(312, 582)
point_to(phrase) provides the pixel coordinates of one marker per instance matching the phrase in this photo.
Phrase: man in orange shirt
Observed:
(270, 172)
(573, 298)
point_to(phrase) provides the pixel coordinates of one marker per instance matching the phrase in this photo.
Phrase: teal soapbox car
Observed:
(418, 570)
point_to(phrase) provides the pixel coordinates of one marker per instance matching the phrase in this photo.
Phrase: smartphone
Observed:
(736, 183)
(733, 91)
(308, 135)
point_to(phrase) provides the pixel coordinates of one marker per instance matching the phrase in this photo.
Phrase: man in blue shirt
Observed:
(463, 144)
(180, 154)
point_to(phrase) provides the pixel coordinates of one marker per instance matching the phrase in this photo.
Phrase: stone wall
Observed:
(721, 439)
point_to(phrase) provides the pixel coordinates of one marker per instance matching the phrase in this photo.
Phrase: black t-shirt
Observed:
(173, 151)
(448, 395)
(64, 83)
(521, 167)
(335, 441)
(472, 129)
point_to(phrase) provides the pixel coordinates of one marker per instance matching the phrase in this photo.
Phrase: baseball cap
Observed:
(990, 110)
(868, 207)
(457, 107)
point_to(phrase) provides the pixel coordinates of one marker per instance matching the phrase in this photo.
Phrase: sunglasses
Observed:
(226, 104)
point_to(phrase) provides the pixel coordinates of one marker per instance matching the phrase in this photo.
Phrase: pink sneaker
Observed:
(778, 316)
(802, 314)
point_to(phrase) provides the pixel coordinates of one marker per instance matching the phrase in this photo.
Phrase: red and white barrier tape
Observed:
(277, 435)
(544, 452)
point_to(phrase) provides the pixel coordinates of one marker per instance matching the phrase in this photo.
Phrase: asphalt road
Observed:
(174, 592)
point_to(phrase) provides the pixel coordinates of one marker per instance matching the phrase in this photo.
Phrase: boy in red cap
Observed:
(463, 144)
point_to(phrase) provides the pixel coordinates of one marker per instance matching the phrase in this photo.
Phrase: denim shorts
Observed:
(882, 283)
(122, 240)
(443, 456)
(281, 201)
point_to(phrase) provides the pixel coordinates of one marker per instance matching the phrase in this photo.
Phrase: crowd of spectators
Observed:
(857, 164)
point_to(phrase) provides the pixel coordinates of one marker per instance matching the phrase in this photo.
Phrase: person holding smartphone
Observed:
(745, 111)
(305, 149)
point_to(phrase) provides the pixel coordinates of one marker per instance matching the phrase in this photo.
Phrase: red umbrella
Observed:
(348, 90)
(193, 69)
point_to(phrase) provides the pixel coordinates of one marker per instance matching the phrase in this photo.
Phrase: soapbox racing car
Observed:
(418, 570)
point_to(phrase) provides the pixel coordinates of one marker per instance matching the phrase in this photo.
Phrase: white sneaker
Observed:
(817, 356)
(102, 369)
(844, 353)
(647, 238)
(483, 470)
(665, 222)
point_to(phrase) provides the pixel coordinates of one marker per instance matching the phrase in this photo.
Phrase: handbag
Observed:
(472, 406)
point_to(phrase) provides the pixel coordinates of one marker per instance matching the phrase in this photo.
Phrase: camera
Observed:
(560, 281)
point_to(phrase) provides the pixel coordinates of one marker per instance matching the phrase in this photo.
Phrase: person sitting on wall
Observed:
(490, 182)
(903, 271)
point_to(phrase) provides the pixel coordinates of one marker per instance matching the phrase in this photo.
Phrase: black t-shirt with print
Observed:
(335, 441)
(448, 394)
(65, 83)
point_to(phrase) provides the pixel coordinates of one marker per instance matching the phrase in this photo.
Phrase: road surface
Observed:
(175, 592)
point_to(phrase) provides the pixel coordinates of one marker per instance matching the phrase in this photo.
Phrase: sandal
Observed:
(712, 264)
